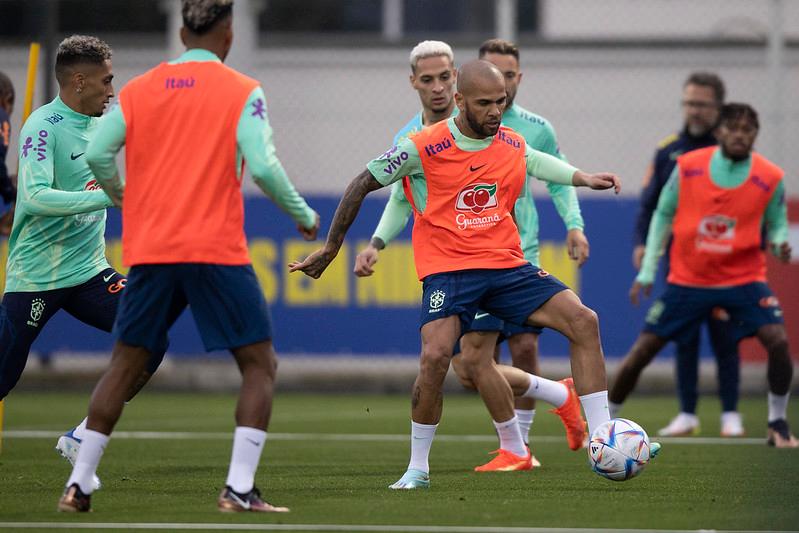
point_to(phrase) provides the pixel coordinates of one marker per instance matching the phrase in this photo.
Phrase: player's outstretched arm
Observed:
(599, 181)
(316, 263)
(106, 142)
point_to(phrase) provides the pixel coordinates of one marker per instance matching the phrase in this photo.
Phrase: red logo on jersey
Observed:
(92, 185)
(769, 301)
(477, 198)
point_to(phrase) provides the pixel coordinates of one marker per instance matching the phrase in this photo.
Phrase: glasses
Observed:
(698, 104)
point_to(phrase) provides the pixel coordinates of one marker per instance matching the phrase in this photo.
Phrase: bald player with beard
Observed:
(468, 254)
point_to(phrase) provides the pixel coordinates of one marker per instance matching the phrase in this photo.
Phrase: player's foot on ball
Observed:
(506, 461)
(412, 479)
(654, 449)
(68, 445)
(780, 436)
(571, 417)
(74, 500)
(682, 425)
(231, 501)
(732, 424)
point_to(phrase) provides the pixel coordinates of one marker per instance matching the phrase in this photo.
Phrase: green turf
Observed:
(690, 486)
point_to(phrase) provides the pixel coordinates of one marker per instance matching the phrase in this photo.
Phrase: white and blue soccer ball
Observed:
(619, 449)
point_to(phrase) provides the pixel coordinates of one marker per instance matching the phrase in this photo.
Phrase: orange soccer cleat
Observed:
(571, 417)
(506, 461)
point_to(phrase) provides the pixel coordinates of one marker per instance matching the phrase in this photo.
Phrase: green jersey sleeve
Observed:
(402, 160)
(254, 138)
(548, 168)
(35, 192)
(776, 217)
(395, 215)
(660, 229)
(107, 141)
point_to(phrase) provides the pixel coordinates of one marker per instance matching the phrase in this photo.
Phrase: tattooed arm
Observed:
(347, 209)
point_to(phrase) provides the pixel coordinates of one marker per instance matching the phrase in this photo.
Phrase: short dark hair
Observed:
(78, 49)
(708, 79)
(6, 87)
(736, 111)
(200, 16)
(498, 46)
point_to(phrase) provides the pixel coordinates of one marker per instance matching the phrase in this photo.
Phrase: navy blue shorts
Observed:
(226, 301)
(680, 310)
(487, 322)
(510, 294)
(23, 315)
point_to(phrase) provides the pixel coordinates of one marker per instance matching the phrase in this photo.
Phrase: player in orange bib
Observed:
(468, 254)
(717, 201)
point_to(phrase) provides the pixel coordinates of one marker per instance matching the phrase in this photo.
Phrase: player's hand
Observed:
(638, 256)
(782, 252)
(599, 181)
(578, 247)
(6, 221)
(309, 234)
(314, 264)
(365, 260)
(637, 288)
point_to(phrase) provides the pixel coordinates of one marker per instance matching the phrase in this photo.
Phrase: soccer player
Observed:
(485, 329)
(188, 125)
(56, 252)
(715, 203)
(702, 98)
(468, 253)
(8, 193)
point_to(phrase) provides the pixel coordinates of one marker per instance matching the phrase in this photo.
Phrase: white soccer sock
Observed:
(546, 390)
(510, 438)
(595, 406)
(78, 431)
(777, 407)
(614, 409)
(247, 446)
(421, 440)
(525, 418)
(91, 450)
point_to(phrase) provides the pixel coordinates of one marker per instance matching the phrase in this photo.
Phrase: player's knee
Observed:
(584, 323)
(461, 372)
(776, 345)
(434, 362)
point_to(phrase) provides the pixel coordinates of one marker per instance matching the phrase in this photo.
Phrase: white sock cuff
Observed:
(592, 395)
(423, 428)
(253, 433)
(507, 423)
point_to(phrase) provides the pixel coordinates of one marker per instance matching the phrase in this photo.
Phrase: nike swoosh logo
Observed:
(477, 168)
(255, 442)
(109, 276)
(74, 157)
(478, 316)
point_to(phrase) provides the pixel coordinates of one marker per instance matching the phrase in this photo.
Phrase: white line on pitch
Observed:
(349, 437)
(332, 527)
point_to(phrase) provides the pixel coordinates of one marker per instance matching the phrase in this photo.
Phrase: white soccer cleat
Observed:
(412, 479)
(682, 425)
(732, 424)
(68, 446)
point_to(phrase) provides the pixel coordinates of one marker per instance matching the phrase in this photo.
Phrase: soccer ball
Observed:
(619, 449)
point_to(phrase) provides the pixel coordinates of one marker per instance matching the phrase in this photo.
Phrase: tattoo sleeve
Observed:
(349, 206)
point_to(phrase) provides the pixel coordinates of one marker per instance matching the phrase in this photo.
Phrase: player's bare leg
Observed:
(774, 339)
(258, 366)
(477, 361)
(564, 312)
(643, 351)
(438, 340)
(524, 355)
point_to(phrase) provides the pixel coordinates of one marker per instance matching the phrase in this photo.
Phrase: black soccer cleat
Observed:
(779, 435)
(75, 501)
(231, 501)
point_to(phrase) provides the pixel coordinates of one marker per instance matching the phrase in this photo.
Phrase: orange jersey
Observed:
(183, 201)
(467, 222)
(717, 231)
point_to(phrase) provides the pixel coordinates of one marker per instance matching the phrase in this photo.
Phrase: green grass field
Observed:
(330, 459)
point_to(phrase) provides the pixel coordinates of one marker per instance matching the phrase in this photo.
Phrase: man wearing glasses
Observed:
(702, 98)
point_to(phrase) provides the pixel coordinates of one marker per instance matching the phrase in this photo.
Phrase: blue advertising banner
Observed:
(342, 314)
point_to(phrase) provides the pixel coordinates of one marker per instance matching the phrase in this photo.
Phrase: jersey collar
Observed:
(73, 117)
